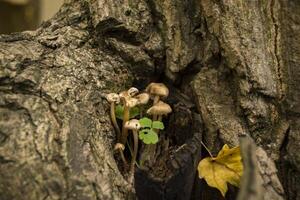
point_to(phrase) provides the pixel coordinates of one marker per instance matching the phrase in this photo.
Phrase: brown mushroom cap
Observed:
(113, 97)
(133, 124)
(160, 108)
(127, 99)
(143, 98)
(119, 146)
(124, 95)
(131, 102)
(159, 89)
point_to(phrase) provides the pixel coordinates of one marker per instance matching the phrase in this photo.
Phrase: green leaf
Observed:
(145, 122)
(119, 111)
(135, 111)
(148, 136)
(142, 133)
(158, 125)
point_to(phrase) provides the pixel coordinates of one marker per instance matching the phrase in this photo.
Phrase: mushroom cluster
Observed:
(128, 100)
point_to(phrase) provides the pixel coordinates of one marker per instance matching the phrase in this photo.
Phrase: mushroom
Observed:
(128, 102)
(132, 91)
(157, 90)
(133, 125)
(159, 109)
(143, 99)
(113, 99)
(120, 148)
(131, 102)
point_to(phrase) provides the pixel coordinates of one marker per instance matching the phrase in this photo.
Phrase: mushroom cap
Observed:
(159, 89)
(133, 124)
(113, 97)
(160, 108)
(119, 146)
(131, 102)
(132, 91)
(143, 98)
(128, 100)
(124, 95)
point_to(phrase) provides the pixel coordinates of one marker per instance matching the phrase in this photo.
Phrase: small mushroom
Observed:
(124, 94)
(113, 99)
(119, 147)
(132, 91)
(131, 102)
(133, 125)
(159, 109)
(128, 103)
(143, 99)
(157, 90)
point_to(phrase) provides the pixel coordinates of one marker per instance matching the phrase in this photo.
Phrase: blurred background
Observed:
(20, 15)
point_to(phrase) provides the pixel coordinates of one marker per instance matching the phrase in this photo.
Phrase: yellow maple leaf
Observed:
(226, 167)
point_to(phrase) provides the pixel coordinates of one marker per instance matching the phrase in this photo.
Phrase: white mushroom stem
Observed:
(156, 99)
(159, 118)
(114, 120)
(135, 151)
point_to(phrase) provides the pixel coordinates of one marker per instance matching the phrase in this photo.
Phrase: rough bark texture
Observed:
(259, 170)
(239, 59)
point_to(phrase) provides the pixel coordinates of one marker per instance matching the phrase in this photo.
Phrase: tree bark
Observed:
(232, 68)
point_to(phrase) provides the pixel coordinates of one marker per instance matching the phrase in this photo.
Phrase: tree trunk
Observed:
(232, 68)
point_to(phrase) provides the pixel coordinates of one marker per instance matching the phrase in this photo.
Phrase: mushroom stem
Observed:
(125, 119)
(154, 118)
(120, 148)
(141, 112)
(135, 150)
(159, 118)
(114, 120)
(156, 99)
(123, 158)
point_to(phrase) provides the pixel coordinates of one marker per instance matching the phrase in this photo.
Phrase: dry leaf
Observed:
(226, 167)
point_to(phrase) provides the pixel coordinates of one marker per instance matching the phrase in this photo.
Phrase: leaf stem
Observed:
(207, 149)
